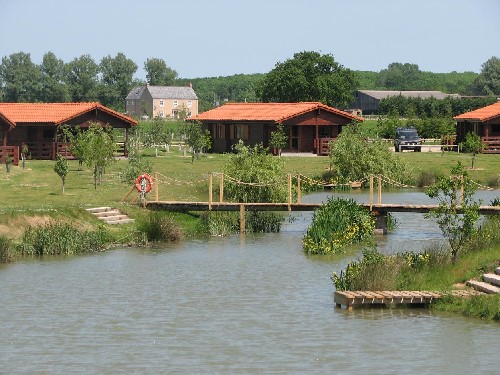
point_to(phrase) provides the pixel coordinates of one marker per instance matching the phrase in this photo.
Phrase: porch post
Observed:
(317, 139)
(125, 151)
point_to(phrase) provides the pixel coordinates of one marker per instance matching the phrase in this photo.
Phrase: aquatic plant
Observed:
(159, 227)
(338, 223)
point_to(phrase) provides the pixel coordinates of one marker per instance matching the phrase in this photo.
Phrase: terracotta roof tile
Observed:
(275, 112)
(56, 113)
(482, 114)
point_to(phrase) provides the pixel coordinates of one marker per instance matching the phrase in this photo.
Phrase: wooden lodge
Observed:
(485, 122)
(35, 125)
(308, 125)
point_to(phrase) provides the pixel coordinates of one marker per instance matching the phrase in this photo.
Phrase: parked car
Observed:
(407, 139)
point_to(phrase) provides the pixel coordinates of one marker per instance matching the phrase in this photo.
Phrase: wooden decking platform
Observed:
(367, 298)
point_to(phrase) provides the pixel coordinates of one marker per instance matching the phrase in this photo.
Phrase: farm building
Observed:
(35, 125)
(485, 122)
(308, 125)
(367, 101)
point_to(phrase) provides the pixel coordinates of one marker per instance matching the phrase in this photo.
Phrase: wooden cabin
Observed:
(485, 122)
(35, 125)
(309, 125)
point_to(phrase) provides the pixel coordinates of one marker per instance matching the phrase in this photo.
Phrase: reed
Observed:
(62, 239)
(159, 227)
(7, 250)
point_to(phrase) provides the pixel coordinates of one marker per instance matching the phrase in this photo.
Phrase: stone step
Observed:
(497, 270)
(483, 287)
(110, 215)
(121, 221)
(492, 278)
(107, 213)
(98, 209)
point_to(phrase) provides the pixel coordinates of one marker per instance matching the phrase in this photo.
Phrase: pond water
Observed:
(237, 305)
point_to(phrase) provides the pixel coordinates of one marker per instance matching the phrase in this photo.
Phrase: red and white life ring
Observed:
(144, 182)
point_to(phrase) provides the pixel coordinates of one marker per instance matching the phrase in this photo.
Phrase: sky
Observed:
(211, 38)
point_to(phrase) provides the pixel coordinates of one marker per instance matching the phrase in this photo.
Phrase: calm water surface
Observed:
(235, 305)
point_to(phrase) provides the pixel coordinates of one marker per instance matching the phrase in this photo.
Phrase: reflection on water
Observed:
(241, 304)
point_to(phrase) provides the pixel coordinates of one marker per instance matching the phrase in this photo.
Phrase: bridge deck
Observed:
(367, 298)
(227, 206)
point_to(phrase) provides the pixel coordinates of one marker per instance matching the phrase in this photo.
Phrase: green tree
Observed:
(309, 76)
(158, 73)
(473, 145)
(399, 76)
(196, 138)
(81, 76)
(53, 88)
(354, 158)
(19, 78)
(261, 177)
(488, 82)
(117, 79)
(61, 168)
(98, 147)
(156, 134)
(457, 212)
(279, 138)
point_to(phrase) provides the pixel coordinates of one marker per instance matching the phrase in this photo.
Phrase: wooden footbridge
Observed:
(378, 209)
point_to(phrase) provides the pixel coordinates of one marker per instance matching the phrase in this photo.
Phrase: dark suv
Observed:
(407, 139)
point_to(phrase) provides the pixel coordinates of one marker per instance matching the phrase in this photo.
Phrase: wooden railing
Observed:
(11, 153)
(493, 145)
(323, 145)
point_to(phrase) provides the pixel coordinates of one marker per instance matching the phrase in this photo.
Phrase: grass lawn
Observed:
(37, 190)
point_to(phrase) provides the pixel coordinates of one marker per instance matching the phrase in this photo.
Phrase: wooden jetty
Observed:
(351, 299)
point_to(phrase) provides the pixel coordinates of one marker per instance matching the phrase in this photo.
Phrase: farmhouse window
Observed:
(176, 103)
(189, 103)
(161, 103)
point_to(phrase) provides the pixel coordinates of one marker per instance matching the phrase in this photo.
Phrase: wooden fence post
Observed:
(289, 191)
(221, 188)
(379, 189)
(156, 187)
(299, 193)
(371, 191)
(210, 192)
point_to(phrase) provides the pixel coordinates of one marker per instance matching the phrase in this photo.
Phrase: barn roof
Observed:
(482, 114)
(271, 112)
(52, 113)
(382, 94)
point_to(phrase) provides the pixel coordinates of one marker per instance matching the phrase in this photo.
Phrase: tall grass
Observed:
(62, 239)
(7, 250)
(159, 227)
(225, 223)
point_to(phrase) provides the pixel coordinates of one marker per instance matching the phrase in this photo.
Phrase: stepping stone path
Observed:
(490, 283)
(110, 215)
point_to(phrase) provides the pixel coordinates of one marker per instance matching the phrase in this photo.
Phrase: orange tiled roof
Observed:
(481, 114)
(276, 112)
(55, 113)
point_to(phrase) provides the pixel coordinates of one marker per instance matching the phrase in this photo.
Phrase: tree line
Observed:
(307, 76)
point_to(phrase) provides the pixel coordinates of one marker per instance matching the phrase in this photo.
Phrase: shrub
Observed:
(225, 223)
(426, 178)
(338, 223)
(158, 227)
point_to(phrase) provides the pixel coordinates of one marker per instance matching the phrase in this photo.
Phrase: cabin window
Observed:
(48, 134)
(220, 131)
(241, 132)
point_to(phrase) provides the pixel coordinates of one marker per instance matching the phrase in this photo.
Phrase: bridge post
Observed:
(380, 222)
(242, 218)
